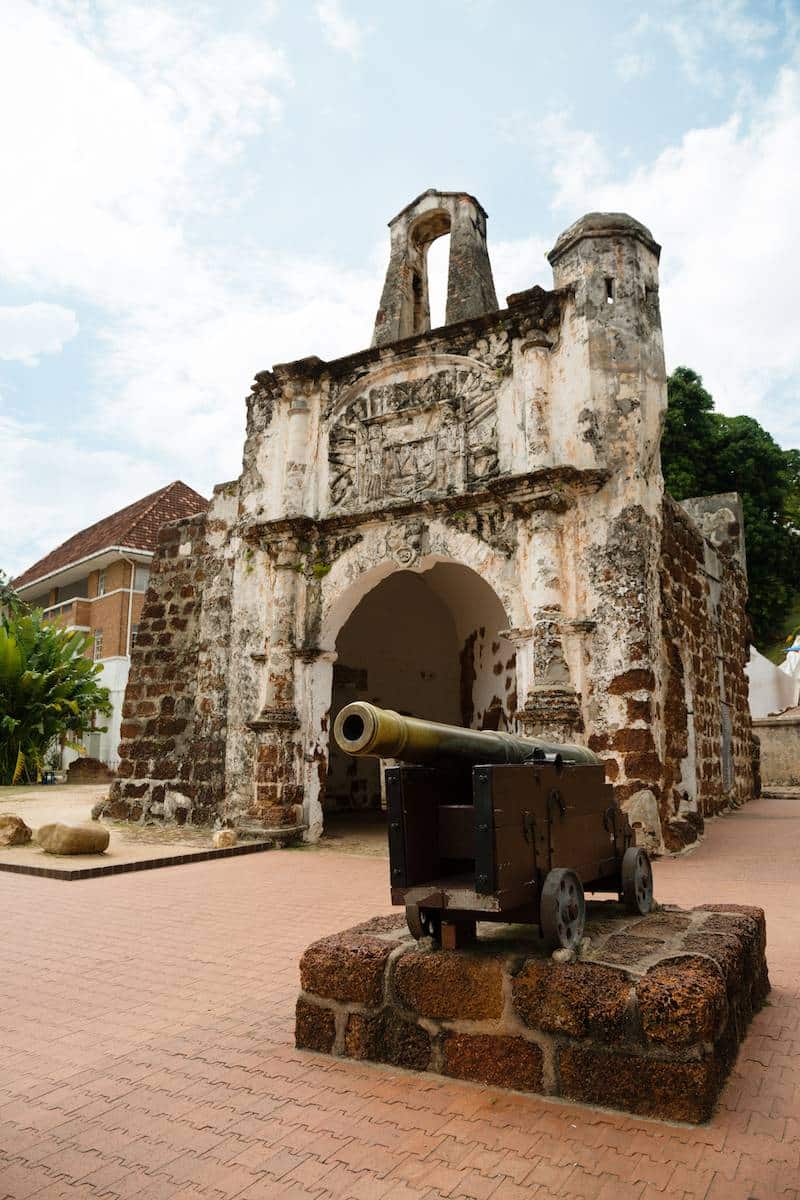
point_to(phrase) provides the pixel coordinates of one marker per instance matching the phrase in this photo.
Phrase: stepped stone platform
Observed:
(649, 1019)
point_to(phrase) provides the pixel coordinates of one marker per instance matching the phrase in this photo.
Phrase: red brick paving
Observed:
(146, 1050)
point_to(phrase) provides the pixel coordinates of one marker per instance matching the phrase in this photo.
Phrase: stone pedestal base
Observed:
(649, 1019)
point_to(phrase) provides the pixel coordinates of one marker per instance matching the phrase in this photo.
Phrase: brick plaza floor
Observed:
(146, 1049)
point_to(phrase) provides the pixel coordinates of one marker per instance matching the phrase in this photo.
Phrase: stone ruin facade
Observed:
(468, 524)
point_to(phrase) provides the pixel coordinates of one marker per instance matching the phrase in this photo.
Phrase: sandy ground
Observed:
(72, 805)
(359, 833)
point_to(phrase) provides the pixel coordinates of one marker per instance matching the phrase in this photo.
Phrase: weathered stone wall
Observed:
(172, 753)
(707, 738)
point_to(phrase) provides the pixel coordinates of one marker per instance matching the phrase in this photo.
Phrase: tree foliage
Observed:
(703, 453)
(9, 600)
(49, 690)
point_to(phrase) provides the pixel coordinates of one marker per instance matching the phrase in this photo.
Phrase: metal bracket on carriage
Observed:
(422, 922)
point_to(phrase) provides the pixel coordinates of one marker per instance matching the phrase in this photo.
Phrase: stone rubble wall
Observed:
(172, 753)
(649, 1021)
(705, 634)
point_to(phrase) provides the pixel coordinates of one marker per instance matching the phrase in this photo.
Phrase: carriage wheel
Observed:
(562, 910)
(637, 880)
(423, 923)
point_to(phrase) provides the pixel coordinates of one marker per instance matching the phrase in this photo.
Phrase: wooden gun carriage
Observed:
(485, 826)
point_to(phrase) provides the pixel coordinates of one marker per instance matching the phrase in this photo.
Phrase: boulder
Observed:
(89, 770)
(223, 839)
(14, 831)
(73, 839)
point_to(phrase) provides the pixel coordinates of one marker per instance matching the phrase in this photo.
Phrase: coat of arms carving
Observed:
(411, 438)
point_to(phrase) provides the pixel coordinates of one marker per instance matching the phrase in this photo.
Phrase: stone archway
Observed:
(425, 642)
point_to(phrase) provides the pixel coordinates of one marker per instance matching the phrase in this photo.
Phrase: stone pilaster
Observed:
(277, 783)
(551, 705)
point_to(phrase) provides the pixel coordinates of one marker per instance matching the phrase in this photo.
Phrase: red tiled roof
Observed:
(135, 527)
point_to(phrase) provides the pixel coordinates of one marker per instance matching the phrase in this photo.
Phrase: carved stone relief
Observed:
(407, 439)
(404, 542)
(496, 527)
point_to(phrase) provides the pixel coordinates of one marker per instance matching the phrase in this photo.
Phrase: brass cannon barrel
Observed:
(364, 729)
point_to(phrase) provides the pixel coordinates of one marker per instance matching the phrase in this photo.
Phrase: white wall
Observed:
(771, 690)
(105, 746)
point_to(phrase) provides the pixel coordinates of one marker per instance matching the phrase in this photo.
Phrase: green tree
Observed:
(688, 438)
(704, 452)
(792, 506)
(49, 690)
(9, 600)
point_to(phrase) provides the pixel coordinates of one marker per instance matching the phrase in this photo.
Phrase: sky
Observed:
(194, 191)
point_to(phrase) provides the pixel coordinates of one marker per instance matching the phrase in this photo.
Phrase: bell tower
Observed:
(405, 309)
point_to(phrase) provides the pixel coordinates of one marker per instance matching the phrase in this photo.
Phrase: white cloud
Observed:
(74, 486)
(128, 121)
(573, 157)
(342, 32)
(119, 137)
(724, 203)
(519, 265)
(30, 330)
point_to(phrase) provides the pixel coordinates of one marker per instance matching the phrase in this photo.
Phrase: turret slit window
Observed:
(101, 584)
(97, 653)
(609, 290)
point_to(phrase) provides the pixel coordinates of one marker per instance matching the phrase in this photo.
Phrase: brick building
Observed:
(96, 582)
(466, 523)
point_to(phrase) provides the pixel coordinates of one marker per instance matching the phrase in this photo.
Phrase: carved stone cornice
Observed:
(550, 489)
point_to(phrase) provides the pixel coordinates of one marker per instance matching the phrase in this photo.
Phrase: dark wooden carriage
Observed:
(488, 826)
(510, 842)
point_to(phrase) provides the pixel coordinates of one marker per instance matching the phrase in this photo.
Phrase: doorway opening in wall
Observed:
(427, 644)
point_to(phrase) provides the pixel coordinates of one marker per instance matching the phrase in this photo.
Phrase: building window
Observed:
(134, 635)
(141, 578)
(101, 584)
(98, 645)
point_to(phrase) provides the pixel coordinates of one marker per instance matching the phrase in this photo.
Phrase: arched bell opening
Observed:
(426, 643)
(429, 239)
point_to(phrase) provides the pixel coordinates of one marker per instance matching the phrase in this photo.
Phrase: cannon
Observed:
(488, 826)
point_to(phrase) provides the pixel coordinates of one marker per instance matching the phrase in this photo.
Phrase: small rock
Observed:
(223, 839)
(89, 770)
(14, 831)
(73, 839)
(562, 955)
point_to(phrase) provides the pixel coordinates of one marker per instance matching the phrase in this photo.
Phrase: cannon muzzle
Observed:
(364, 729)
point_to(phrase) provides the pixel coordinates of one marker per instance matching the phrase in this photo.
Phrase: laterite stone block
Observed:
(649, 1020)
(506, 1062)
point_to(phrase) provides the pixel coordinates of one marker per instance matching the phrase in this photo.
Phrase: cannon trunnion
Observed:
(517, 839)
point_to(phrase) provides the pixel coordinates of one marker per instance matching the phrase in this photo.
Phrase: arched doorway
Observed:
(426, 643)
